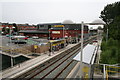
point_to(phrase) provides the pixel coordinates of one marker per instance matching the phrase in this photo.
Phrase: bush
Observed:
(110, 52)
(103, 46)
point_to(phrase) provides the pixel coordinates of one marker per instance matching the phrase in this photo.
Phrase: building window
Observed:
(41, 25)
(49, 26)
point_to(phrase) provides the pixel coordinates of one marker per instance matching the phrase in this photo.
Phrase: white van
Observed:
(18, 37)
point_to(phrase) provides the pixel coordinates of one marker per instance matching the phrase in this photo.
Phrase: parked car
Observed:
(35, 37)
(20, 42)
(95, 41)
(25, 38)
(18, 37)
(8, 35)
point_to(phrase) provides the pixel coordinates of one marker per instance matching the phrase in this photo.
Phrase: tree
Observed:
(111, 16)
(16, 28)
(110, 12)
(99, 27)
(111, 49)
(3, 29)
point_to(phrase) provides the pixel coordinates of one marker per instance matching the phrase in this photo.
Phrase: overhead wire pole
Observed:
(49, 33)
(50, 44)
(80, 73)
(11, 50)
(63, 32)
(10, 45)
(81, 55)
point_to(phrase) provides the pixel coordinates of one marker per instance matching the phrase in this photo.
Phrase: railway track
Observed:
(41, 68)
(55, 67)
(47, 64)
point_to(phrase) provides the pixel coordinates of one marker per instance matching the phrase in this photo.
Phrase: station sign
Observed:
(56, 32)
(58, 25)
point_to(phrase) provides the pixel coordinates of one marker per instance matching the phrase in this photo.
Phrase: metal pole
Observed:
(98, 42)
(81, 55)
(11, 50)
(104, 72)
(77, 36)
(50, 49)
(97, 34)
(11, 62)
(49, 33)
(63, 32)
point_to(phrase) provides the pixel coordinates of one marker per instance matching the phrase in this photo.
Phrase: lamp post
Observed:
(10, 43)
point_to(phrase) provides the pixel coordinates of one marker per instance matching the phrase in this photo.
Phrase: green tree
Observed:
(110, 12)
(99, 27)
(16, 28)
(111, 16)
(3, 29)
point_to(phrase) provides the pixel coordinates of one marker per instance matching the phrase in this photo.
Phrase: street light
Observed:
(10, 43)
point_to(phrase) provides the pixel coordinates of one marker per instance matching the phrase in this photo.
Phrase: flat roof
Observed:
(89, 53)
(33, 31)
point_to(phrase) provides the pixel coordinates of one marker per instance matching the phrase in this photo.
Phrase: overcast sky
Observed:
(45, 11)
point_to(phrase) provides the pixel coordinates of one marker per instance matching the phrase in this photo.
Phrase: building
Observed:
(26, 27)
(6, 26)
(0, 27)
(67, 29)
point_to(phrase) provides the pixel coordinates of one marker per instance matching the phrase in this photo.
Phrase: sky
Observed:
(51, 11)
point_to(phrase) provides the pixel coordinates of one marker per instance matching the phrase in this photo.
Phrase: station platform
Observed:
(75, 71)
(26, 66)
